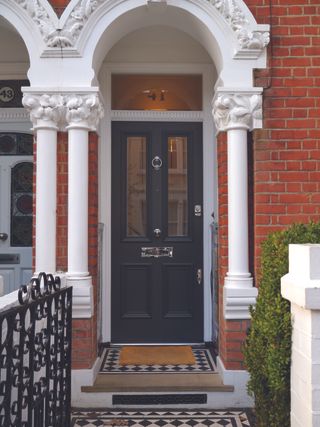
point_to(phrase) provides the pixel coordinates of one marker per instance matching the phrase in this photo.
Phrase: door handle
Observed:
(199, 276)
(3, 236)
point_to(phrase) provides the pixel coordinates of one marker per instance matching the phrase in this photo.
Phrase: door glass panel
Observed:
(21, 204)
(177, 186)
(15, 144)
(136, 186)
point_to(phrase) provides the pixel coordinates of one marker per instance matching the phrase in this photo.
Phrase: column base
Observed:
(82, 300)
(238, 295)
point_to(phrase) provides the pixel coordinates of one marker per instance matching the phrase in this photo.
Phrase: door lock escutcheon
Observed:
(157, 232)
(197, 210)
(199, 276)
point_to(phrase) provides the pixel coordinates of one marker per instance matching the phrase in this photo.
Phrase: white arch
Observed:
(25, 26)
(199, 18)
(87, 30)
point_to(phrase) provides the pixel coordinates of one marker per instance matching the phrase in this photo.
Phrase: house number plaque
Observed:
(6, 93)
(11, 94)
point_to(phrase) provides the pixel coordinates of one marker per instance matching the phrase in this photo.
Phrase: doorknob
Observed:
(157, 232)
(3, 236)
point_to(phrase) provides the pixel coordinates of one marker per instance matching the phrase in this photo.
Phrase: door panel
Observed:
(135, 291)
(177, 290)
(157, 240)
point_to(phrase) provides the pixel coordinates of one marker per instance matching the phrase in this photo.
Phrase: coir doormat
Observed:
(204, 363)
(157, 355)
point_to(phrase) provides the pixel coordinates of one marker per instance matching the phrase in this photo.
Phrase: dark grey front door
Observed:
(157, 233)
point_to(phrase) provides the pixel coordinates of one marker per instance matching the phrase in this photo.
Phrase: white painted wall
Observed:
(301, 286)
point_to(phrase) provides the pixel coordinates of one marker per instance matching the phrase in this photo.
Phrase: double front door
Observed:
(157, 233)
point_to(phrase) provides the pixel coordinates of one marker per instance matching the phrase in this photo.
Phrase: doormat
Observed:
(156, 355)
(96, 418)
(203, 363)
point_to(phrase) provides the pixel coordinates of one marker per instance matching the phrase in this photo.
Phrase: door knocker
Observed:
(156, 163)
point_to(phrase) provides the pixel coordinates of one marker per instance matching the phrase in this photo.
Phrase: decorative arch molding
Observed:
(89, 28)
(66, 31)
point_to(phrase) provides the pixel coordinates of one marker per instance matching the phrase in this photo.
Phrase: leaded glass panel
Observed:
(16, 144)
(21, 204)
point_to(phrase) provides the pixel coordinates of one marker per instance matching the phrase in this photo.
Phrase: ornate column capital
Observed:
(83, 110)
(237, 109)
(58, 109)
(46, 110)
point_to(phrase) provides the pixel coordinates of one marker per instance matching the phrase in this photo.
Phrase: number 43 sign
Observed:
(10, 93)
(6, 94)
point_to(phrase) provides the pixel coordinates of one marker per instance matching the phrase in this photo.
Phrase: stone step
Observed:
(141, 382)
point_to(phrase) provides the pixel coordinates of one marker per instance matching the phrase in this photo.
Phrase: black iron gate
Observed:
(35, 356)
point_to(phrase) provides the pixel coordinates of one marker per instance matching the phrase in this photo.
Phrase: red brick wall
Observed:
(59, 5)
(286, 151)
(62, 202)
(286, 167)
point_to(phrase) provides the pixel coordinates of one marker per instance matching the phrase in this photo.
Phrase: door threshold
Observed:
(153, 383)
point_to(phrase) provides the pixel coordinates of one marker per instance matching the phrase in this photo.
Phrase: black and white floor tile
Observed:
(160, 419)
(204, 363)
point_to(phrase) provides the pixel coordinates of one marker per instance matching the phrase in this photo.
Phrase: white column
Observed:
(77, 201)
(301, 286)
(45, 112)
(83, 114)
(237, 112)
(46, 198)
(238, 247)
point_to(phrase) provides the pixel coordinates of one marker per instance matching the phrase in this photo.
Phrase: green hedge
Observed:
(268, 345)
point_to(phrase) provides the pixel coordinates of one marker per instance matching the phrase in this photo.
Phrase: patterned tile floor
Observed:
(204, 363)
(199, 418)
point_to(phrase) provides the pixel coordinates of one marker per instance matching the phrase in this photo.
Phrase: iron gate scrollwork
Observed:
(35, 356)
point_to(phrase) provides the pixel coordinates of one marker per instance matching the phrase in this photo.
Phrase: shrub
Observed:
(268, 345)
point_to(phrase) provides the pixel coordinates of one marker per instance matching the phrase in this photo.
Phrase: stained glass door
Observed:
(16, 172)
(157, 233)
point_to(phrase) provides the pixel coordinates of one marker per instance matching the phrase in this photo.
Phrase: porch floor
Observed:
(161, 418)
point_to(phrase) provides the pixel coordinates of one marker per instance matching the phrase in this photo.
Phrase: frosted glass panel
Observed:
(177, 186)
(136, 186)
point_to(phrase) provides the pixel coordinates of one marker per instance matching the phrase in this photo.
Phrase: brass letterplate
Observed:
(157, 252)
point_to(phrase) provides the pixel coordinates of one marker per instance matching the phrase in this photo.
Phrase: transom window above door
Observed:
(156, 92)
